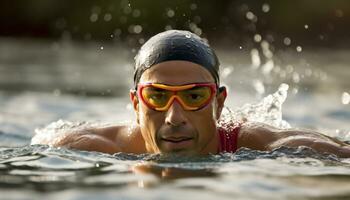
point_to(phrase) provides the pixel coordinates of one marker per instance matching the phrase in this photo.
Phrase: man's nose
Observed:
(175, 115)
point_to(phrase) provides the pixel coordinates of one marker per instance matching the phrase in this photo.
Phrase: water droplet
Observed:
(117, 32)
(295, 90)
(257, 38)
(197, 19)
(240, 47)
(227, 71)
(299, 49)
(321, 37)
(296, 77)
(136, 13)
(129, 106)
(287, 41)
(267, 67)
(345, 99)
(57, 92)
(265, 8)
(170, 13)
(127, 10)
(101, 48)
(308, 72)
(93, 17)
(188, 35)
(259, 87)
(141, 41)
(339, 13)
(266, 49)
(168, 27)
(87, 36)
(306, 26)
(96, 9)
(137, 29)
(289, 69)
(123, 19)
(256, 62)
(107, 17)
(249, 15)
(193, 6)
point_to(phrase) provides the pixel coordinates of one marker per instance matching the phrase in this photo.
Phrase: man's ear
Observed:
(135, 103)
(220, 99)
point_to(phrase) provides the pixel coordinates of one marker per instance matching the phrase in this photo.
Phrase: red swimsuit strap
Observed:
(228, 138)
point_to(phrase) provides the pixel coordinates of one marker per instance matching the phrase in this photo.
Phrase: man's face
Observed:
(177, 130)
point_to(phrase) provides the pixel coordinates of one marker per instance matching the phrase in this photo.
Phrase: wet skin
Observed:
(189, 132)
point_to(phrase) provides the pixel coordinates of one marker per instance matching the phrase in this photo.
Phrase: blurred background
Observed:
(226, 22)
(55, 53)
(50, 33)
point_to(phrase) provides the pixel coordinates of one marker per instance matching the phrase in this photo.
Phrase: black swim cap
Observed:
(176, 45)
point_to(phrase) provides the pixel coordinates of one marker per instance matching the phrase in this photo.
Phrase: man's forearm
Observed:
(89, 142)
(318, 144)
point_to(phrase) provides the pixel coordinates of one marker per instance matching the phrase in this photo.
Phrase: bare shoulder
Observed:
(257, 136)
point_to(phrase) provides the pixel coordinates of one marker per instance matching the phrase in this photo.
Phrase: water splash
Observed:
(55, 131)
(268, 111)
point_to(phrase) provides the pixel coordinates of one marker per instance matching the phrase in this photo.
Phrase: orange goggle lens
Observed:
(191, 97)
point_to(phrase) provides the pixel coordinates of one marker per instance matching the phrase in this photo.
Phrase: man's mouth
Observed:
(176, 143)
(176, 139)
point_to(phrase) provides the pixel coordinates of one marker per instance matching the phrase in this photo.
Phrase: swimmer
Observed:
(178, 100)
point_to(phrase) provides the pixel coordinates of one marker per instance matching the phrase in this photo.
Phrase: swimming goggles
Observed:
(192, 96)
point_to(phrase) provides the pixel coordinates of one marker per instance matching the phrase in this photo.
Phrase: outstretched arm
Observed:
(112, 139)
(91, 140)
(264, 137)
